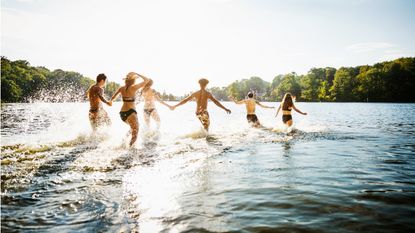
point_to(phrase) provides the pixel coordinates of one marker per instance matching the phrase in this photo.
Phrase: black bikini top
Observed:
(128, 99)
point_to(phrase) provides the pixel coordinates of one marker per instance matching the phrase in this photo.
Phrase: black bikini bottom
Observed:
(286, 118)
(126, 114)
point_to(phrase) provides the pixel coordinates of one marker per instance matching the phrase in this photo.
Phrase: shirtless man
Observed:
(202, 97)
(150, 110)
(250, 104)
(97, 115)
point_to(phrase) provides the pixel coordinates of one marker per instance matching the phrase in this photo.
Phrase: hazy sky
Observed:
(178, 42)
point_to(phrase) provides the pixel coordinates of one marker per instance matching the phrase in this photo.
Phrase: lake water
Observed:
(346, 167)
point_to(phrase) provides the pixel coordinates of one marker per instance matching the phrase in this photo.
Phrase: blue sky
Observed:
(178, 42)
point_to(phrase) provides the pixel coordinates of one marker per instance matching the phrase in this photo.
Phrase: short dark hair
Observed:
(203, 82)
(250, 95)
(101, 77)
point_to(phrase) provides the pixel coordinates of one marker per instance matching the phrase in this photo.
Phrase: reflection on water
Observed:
(352, 172)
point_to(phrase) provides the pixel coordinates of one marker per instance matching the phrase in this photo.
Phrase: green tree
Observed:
(344, 84)
(110, 88)
(290, 83)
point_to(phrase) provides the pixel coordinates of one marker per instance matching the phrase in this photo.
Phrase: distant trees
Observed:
(391, 81)
(21, 82)
(239, 89)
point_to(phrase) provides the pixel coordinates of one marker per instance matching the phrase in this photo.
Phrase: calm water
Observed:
(346, 167)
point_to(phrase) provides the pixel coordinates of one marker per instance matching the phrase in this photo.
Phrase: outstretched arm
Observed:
(236, 101)
(184, 101)
(115, 94)
(219, 104)
(161, 101)
(101, 97)
(264, 106)
(278, 110)
(298, 110)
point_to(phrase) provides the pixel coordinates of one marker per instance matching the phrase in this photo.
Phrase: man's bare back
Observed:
(202, 96)
(97, 115)
(250, 104)
(95, 97)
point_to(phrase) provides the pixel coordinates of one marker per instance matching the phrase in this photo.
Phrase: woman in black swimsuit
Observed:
(128, 113)
(287, 105)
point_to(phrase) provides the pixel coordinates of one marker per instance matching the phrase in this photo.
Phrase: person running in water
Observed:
(128, 113)
(97, 115)
(250, 104)
(202, 96)
(150, 110)
(287, 105)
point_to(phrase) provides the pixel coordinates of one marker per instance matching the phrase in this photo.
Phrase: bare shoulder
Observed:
(96, 89)
(208, 94)
(195, 94)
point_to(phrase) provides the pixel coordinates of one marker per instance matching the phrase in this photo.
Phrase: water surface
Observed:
(347, 167)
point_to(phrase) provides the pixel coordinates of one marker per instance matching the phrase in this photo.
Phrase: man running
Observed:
(250, 104)
(201, 98)
(97, 115)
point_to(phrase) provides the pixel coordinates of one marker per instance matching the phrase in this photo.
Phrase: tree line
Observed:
(390, 81)
(21, 82)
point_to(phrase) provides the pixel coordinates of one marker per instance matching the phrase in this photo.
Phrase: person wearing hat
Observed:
(97, 115)
(128, 113)
(202, 96)
(250, 104)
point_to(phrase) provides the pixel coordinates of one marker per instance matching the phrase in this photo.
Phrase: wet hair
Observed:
(287, 101)
(250, 95)
(101, 77)
(203, 82)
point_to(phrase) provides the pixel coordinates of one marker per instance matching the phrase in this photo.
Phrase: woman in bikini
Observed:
(287, 105)
(128, 113)
(150, 110)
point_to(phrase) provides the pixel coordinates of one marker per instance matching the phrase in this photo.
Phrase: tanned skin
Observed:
(97, 115)
(202, 96)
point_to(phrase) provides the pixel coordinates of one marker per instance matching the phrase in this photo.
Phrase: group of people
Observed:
(99, 117)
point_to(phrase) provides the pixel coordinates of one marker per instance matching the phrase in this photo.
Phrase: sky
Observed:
(178, 42)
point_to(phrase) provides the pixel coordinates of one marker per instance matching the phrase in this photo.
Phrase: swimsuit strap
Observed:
(128, 99)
